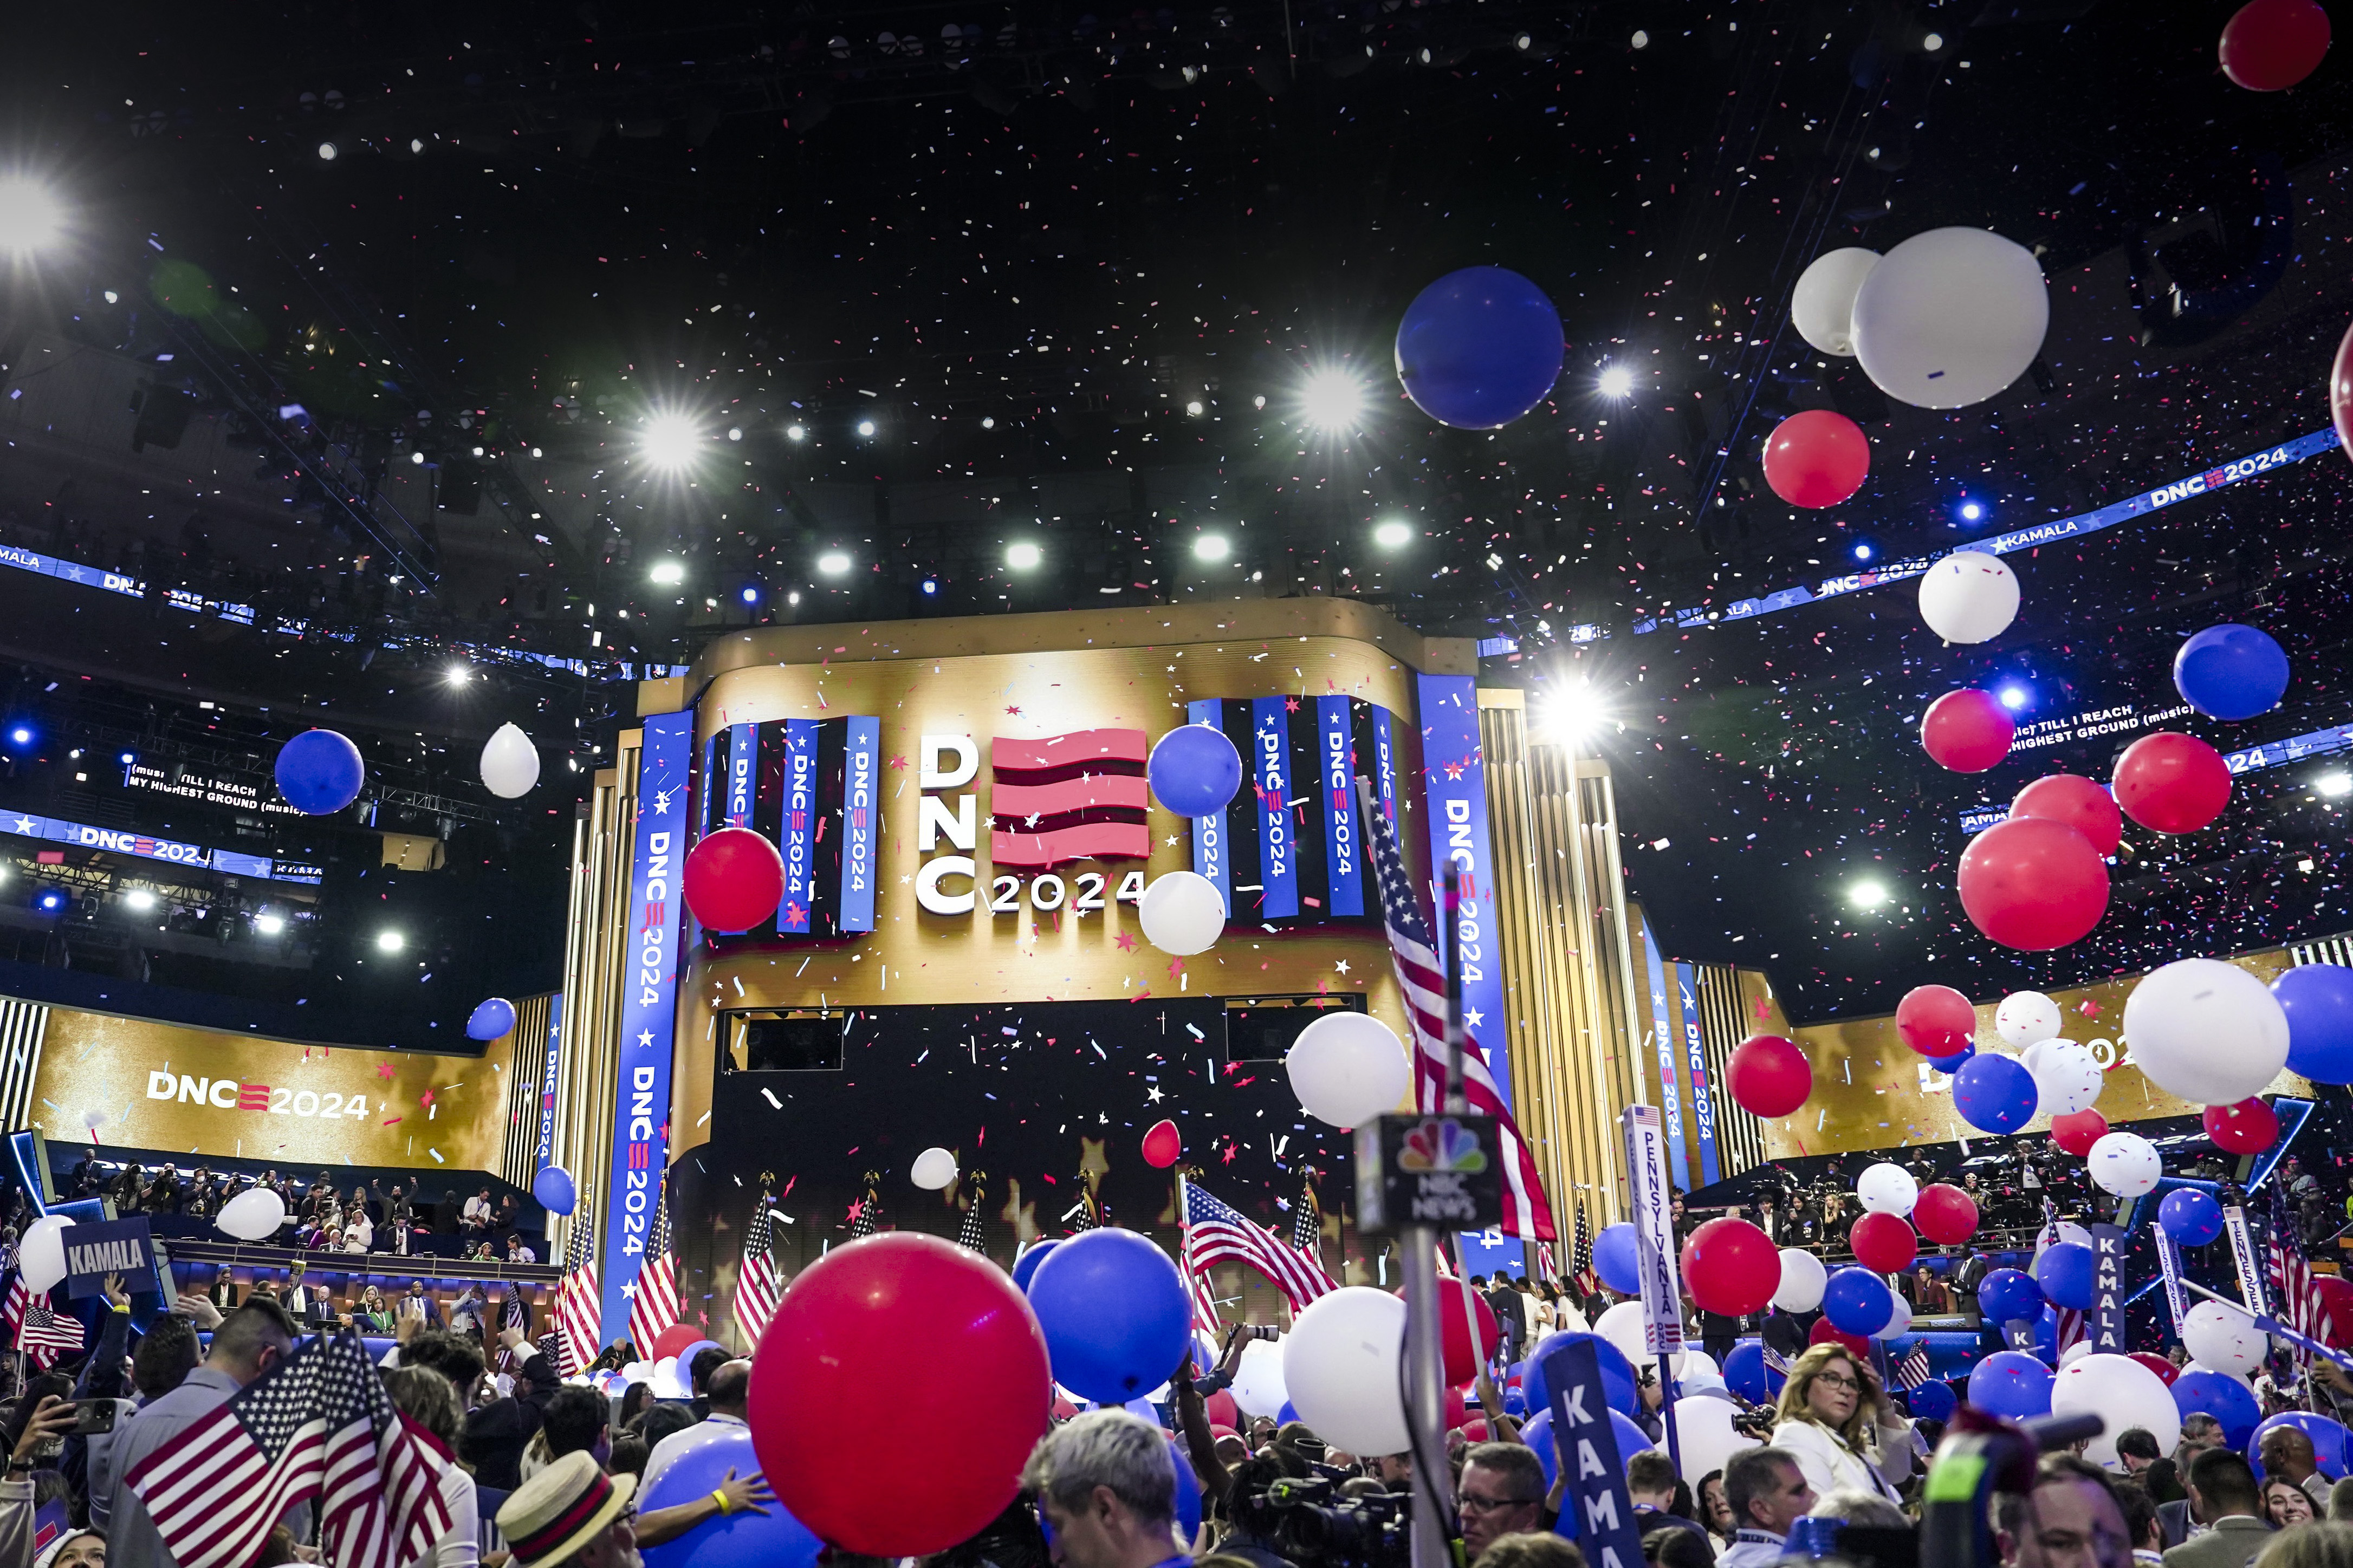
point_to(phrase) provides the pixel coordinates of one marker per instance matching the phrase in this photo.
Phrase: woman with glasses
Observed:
(1834, 1420)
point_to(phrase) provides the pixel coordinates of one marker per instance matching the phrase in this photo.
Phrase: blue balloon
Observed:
(1616, 1259)
(2328, 1437)
(2064, 1271)
(1994, 1093)
(2191, 1218)
(2319, 1000)
(491, 1016)
(2009, 1295)
(2223, 1396)
(1857, 1302)
(1479, 348)
(1932, 1401)
(1289, 1413)
(771, 1540)
(1115, 1314)
(1616, 1371)
(1515, 1403)
(2230, 671)
(1193, 770)
(553, 1187)
(1188, 1491)
(1537, 1434)
(319, 772)
(1746, 1374)
(2011, 1384)
(1026, 1266)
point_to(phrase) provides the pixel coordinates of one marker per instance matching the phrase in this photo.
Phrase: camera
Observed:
(1312, 1526)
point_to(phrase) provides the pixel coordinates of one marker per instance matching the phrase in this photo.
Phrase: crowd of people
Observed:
(321, 1216)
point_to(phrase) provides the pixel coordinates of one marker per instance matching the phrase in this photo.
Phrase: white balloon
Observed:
(1340, 1362)
(41, 1255)
(1970, 596)
(2074, 1352)
(510, 763)
(1692, 1383)
(2124, 1395)
(1182, 913)
(934, 1169)
(638, 1372)
(1699, 1363)
(1899, 1324)
(668, 1385)
(1887, 1188)
(1705, 1436)
(1950, 316)
(1802, 1279)
(254, 1215)
(2067, 1077)
(1822, 309)
(2056, 1231)
(2223, 1338)
(1346, 1068)
(1622, 1326)
(2205, 1030)
(2125, 1163)
(2026, 1018)
(1258, 1384)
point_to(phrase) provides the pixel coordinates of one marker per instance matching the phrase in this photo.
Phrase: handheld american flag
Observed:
(317, 1426)
(759, 1288)
(653, 1301)
(1215, 1232)
(1913, 1371)
(34, 1326)
(579, 1300)
(2296, 1294)
(1422, 979)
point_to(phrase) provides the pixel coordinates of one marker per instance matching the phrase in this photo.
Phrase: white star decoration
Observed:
(662, 803)
(645, 1036)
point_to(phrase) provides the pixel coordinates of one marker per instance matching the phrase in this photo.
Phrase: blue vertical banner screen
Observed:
(648, 1009)
(1212, 856)
(797, 842)
(1385, 764)
(548, 1079)
(1271, 767)
(860, 805)
(1663, 1035)
(1455, 787)
(1344, 848)
(743, 772)
(1696, 1050)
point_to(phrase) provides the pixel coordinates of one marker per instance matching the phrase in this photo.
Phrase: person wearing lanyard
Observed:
(1106, 1484)
(1834, 1421)
(1767, 1492)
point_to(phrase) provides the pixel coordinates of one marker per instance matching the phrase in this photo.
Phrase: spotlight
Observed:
(1572, 715)
(1863, 552)
(458, 674)
(1641, 40)
(866, 427)
(667, 574)
(20, 736)
(416, 146)
(1971, 511)
(328, 153)
(390, 941)
(930, 587)
(1933, 42)
(1393, 535)
(127, 758)
(2013, 697)
(30, 216)
(1617, 381)
(1024, 556)
(734, 433)
(269, 925)
(1211, 547)
(670, 441)
(2334, 785)
(750, 594)
(1194, 408)
(140, 898)
(1332, 399)
(795, 433)
(833, 562)
(988, 421)
(1866, 895)
(50, 901)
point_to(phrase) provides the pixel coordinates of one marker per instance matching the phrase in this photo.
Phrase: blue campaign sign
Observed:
(798, 840)
(548, 1084)
(859, 808)
(120, 1246)
(1595, 1508)
(2108, 1289)
(1277, 851)
(1343, 835)
(742, 769)
(1663, 1039)
(1454, 774)
(1696, 1050)
(120, 841)
(1212, 854)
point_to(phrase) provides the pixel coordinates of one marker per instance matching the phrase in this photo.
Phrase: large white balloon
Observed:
(934, 1169)
(2125, 1163)
(1887, 1188)
(668, 1385)
(2223, 1338)
(1950, 316)
(254, 1215)
(2026, 1018)
(2205, 1030)
(1803, 1279)
(2124, 1395)
(1257, 1385)
(1703, 1432)
(510, 763)
(2075, 1352)
(1182, 913)
(1340, 1364)
(1822, 309)
(1622, 1325)
(1970, 596)
(2067, 1077)
(1899, 1323)
(41, 1256)
(1346, 1068)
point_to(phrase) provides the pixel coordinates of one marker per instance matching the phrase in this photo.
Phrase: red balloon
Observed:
(1816, 459)
(1945, 1213)
(2172, 782)
(1823, 1333)
(1462, 1363)
(1162, 1145)
(1768, 1076)
(1935, 1020)
(2077, 1131)
(2337, 1295)
(2077, 802)
(2157, 1364)
(734, 880)
(2033, 883)
(945, 1331)
(1882, 1242)
(1731, 1267)
(2340, 392)
(672, 1339)
(1223, 1412)
(2270, 45)
(1968, 730)
(2248, 1127)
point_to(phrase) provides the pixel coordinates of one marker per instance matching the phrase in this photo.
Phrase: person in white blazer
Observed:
(1834, 1420)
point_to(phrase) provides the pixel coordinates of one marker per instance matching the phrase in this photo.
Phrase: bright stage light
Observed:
(930, 587)
(1862, 552)
(866, 427)
(1393, 535)
(988, 421)
(1333, 400)
(750, 594)
(1194, 408)
(2334, 785)
(390, 941)
(22, 735)
(328, 153)
(1211, 547)
(833, 562)
(269, 925)
(1023, 557)
(458, 674)
(139, 900)
(670, 441)
(30, 216)
(795, 433)
(667, 574)
(1867, 895)
(1972, 511)
(1617, 381)
(2013, 697)
(1571, 715)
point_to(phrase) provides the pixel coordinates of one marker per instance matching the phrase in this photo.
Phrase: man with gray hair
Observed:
(1107, 1482)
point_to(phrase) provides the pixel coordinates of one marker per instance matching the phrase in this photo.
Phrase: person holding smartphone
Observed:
(43, 1431)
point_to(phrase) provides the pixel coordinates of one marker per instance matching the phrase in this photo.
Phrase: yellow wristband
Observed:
(719, 1496)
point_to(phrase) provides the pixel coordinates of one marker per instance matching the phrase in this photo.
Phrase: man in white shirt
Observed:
(1766, 1491)
(731, 1393)
(476, 1215)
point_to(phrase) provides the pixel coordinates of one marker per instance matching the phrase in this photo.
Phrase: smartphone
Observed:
(94, 1415)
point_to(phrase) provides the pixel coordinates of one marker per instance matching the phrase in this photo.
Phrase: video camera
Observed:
(1314, 1525)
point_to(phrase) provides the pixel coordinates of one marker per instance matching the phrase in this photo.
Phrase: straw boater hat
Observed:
(561, 1509)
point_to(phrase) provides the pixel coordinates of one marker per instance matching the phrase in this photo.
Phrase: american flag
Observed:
(653, 1303)
(861, 1213)
(1307, 1218)
(1217, 1234)
(1775, 1362)
(319, 1425)
(1913, 1371)
(579, 1299)
(968, 1236)
(42, 1333)
(1581, 1277)
(1423, 978)
(759, 1288)
(514, 1313)
(2295, 1296)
